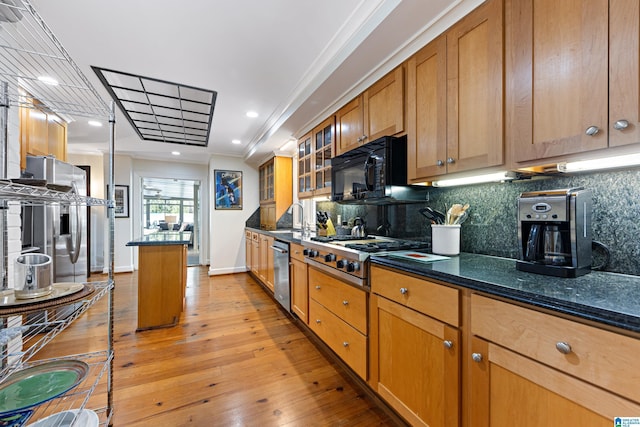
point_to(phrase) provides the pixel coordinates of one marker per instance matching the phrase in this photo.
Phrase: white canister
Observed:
(445, 239)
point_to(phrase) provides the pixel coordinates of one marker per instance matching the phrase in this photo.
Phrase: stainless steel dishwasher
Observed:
(281, 288)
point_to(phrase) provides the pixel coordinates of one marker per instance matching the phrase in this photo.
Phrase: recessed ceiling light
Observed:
(175, 153)
(48, 80)
(95, 123)
(236, 141)
(252, 114)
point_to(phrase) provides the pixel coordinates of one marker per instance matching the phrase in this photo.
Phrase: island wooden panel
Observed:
(161, 285)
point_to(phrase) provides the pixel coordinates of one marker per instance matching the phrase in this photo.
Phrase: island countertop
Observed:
(163, 238)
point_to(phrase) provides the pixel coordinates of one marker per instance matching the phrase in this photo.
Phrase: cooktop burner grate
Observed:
(336, 238)
(388, 246)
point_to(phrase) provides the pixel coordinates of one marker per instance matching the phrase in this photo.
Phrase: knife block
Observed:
(328, 231)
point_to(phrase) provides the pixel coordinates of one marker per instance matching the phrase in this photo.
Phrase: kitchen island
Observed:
(162, 278)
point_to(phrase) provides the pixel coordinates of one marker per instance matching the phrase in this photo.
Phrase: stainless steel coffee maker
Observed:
(555, 232)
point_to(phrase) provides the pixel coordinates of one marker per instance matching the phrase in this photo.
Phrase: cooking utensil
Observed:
(33, 276)
(433, 215)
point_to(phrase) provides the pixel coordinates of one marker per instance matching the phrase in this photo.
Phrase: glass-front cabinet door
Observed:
(315, 150)
(324, 138)
(305, 174)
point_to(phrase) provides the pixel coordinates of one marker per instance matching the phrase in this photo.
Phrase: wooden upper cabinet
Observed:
(315, 150)
(624, 72)
(349, 126)
(305, 160)
(427, 111)
(276, 190)
(41, 134)
(558, 76)
(455, 99)
(384, 106)
(57, 139)
(323, 148)
(475, 99)
(377, 112)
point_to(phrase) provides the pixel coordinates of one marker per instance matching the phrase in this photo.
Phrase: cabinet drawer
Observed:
(345, 301)
(600, 357)
(296, 251)
(343, 339)
(432, 299)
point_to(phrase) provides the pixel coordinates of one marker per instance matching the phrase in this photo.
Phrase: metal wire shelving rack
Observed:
(31, 59)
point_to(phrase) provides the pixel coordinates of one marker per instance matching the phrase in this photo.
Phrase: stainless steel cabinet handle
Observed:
(563, 347)
(477, 357)
(364, 137)
(345, 302)
(447, 344)
(621, 124)
(592, 130)
(451, 160)
(359, 139)
(318, 321)
(439, 163)
(404, 291)
(345, 344)
(318, 287)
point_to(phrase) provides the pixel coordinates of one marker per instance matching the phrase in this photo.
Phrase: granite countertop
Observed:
(286, 235)
(162, 238)
(608, 298)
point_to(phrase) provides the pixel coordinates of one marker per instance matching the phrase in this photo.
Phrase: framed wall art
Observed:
(228, 191)
(121, 198)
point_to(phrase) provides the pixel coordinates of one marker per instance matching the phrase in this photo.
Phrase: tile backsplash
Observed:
(491, 228)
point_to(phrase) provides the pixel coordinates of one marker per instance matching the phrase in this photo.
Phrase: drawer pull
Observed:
(563, 347)
(318, 321)
(477, 357)
(345, 344)
(345, 302)
(318, 287)
(447, 344)
(404, 291)
(592, 130)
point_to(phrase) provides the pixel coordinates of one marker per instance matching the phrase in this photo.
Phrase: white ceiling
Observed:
(292, 61)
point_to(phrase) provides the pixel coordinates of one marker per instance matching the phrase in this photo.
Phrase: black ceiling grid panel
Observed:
(159, 110)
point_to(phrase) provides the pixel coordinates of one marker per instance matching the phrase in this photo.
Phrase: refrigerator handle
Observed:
(74, 251)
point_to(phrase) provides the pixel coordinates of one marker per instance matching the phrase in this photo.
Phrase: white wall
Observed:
(169, 170)
(227, 226)
(123, 255)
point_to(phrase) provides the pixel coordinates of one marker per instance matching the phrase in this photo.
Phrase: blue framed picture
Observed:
(228, 189)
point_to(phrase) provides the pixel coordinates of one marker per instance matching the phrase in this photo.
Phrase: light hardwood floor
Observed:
(235, 359)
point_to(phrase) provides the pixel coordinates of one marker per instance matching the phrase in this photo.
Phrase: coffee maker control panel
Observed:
(547, 209)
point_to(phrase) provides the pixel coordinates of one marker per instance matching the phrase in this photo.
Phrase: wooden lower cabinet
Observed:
(338, 315)
(248, 249)
(162, 279)
(299, 283)
(345, 340)
(533, 369)
(512, 390)
(265, 260)
(414, 358)
(255, 253)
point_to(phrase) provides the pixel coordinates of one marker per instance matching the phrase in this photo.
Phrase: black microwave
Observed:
(374, 173)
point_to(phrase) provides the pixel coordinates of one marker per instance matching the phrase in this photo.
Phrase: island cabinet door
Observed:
(508, 390)
(414, 363)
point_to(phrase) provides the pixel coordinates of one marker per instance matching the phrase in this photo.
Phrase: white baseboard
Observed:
(229, 270)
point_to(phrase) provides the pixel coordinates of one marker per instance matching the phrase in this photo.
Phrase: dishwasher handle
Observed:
(280, 250)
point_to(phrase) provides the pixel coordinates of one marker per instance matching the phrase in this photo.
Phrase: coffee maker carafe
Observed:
(554, 232)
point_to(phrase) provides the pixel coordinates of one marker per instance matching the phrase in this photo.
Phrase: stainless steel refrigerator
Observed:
(58, 230)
